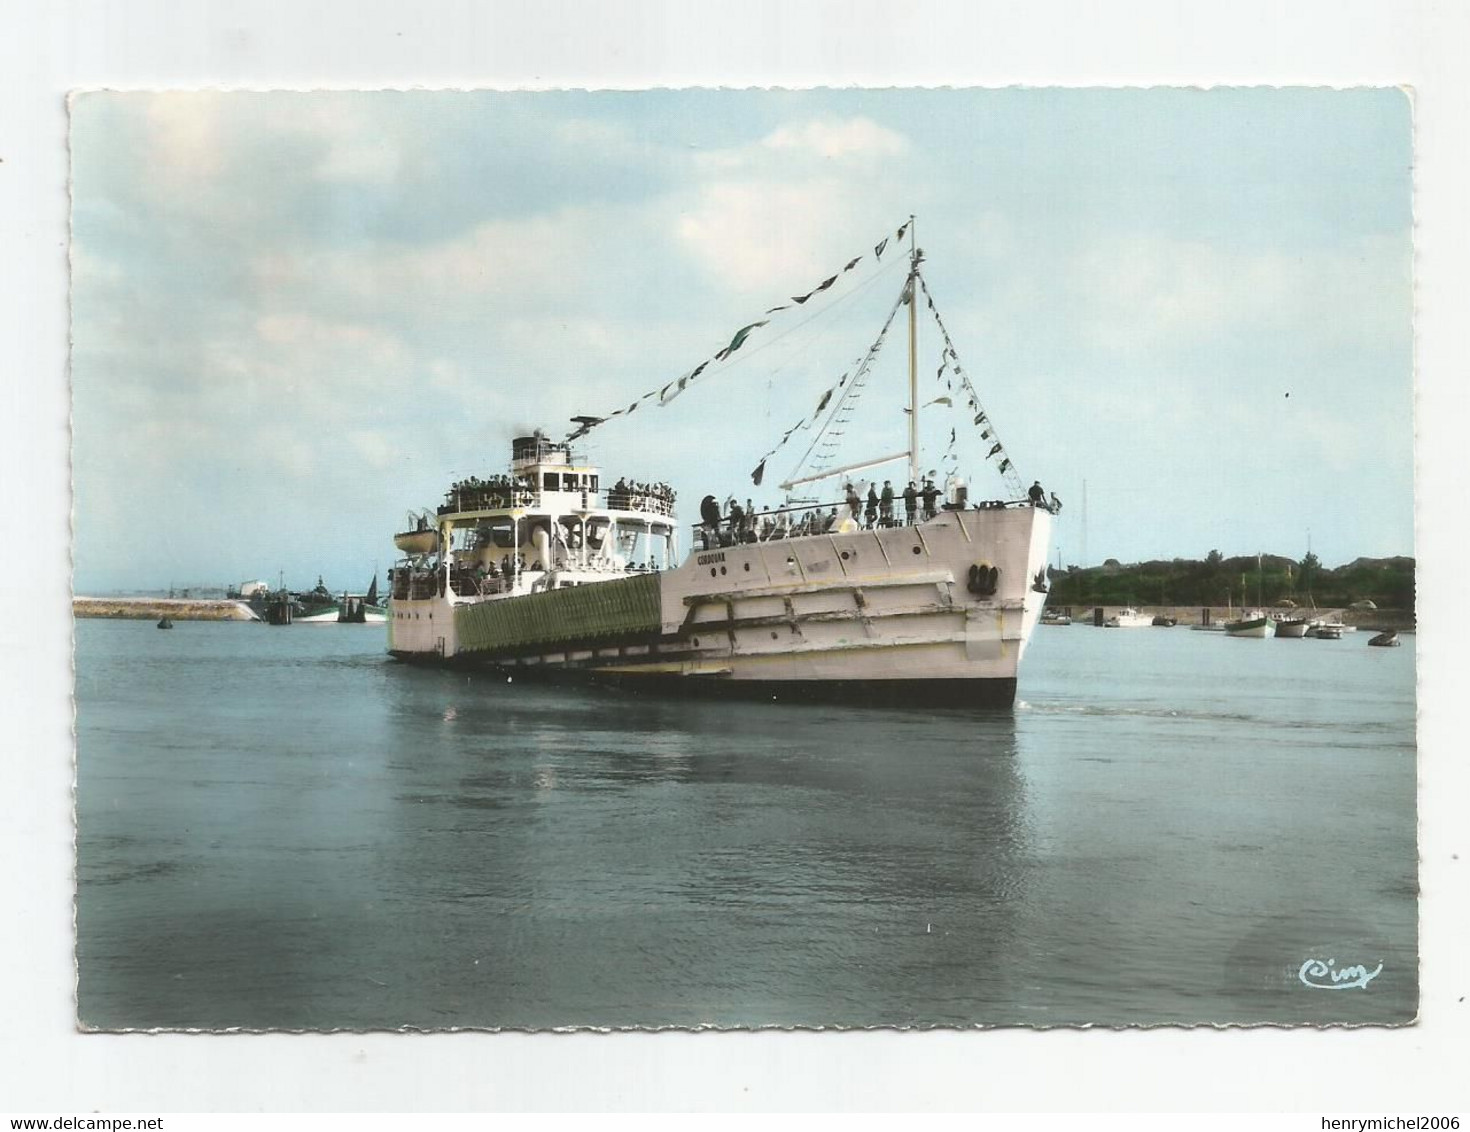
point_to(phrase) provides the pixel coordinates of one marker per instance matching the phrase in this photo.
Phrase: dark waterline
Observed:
(280, 828)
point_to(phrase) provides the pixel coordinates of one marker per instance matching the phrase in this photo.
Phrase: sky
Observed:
(298, 317)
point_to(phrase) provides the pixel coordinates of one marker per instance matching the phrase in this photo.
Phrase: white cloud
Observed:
(1143, 293)
(184, 141)
(769, 214)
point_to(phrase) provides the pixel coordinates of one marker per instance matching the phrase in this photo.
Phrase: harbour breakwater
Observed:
(156, 608)
(1377, 620)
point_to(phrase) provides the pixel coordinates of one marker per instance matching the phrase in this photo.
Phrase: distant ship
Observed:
(548, 570)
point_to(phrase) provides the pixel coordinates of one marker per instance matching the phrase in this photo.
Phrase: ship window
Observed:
(593, 483)
(498, 532)
(551, 481)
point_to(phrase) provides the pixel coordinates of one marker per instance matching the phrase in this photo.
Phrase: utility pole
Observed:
(1084, 525)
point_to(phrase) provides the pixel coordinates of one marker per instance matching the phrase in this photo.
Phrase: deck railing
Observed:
(820, 518)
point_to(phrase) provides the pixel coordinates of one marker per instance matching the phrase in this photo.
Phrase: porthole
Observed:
(696, 642)
(917, 550)
(747, 567)
(845, 556)
(722, 569)
(711, 571)
(773, 634)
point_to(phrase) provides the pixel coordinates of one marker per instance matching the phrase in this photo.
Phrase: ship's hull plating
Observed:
(903, 615)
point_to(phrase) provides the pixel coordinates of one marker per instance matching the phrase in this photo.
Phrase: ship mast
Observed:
(913, 356)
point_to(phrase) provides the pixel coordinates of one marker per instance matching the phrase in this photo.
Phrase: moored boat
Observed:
(1292, 627)
(1253, 623)
(1128, 618)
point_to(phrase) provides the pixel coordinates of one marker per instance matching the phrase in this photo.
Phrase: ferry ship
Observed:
(550, 571)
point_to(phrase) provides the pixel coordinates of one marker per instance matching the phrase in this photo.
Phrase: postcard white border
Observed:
(147, 44)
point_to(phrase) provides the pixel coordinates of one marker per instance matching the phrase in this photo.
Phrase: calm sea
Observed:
(281, 828)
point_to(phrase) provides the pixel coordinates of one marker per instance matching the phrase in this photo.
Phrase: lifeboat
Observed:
(425, 541)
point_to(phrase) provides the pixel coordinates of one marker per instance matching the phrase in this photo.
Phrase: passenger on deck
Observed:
(910, 503)
(885, 511)
(870, 514)
(1037, 495)
(709, 517)
(931, 498)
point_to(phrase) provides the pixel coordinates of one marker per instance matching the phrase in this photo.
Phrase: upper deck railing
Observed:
(473, 496)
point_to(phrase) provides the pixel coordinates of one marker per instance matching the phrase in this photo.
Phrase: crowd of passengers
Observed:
(500, 577)
(734, 523)
(632, 495)
(475, 494)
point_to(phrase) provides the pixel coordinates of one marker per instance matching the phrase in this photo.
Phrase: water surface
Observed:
(281, 828)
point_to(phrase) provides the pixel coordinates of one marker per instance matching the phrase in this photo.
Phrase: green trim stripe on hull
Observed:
(608, 609)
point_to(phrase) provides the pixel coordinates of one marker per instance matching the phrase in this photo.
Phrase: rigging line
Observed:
(854, 387)
(859, 376)
(1008, 473)
(746, 355)
(729, 365)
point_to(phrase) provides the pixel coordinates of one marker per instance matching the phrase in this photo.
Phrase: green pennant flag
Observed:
(739, 340)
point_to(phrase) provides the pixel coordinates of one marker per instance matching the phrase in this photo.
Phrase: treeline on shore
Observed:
(1218, 581)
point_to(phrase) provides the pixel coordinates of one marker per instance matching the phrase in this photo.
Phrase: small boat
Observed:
(1165, 622)
(1253, 623)
(1386, 640)
(1128, 618)
(1050, 618)
(1292, 627)
(167, 623)
(1326, 631)
(419, 539)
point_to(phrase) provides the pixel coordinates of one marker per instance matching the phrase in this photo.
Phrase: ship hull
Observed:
(898, 692)
(1258, 627)
(934, 614)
